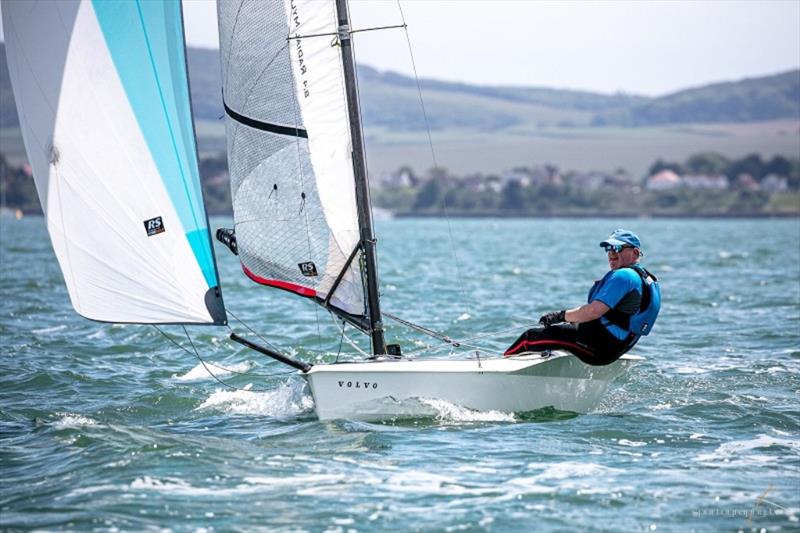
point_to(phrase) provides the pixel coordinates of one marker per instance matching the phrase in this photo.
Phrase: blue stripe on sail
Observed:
(145, 39)
(197, 240)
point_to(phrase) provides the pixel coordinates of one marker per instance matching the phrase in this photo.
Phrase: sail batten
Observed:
(265, 126)
(102, 93)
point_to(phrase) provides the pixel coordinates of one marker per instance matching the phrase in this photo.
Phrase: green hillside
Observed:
(391, 103)
(749, 100)
(391, 100)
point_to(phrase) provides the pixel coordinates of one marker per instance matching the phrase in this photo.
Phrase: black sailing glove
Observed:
(554, 317)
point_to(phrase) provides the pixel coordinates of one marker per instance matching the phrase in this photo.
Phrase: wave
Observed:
(180, 487)
(200, 371)
(453, 413)
(52, 329)
(289, 399)
(743, 452)
(580, 477)
(69, 420)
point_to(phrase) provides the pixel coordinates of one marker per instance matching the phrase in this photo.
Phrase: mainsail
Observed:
(290, 150)
(102, 95)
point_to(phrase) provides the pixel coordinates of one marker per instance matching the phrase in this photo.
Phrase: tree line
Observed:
(712, 163)
(550, 191)
(544, 191)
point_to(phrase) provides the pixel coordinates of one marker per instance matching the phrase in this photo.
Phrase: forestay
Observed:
(102, 94)
(289, 149)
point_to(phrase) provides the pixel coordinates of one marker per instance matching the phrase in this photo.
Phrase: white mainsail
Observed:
(289, 149)
(102, 94)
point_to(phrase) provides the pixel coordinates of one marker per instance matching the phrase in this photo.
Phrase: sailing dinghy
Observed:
(303, 218)
(120, 189)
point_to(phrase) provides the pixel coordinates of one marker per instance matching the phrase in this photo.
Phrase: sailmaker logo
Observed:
(154, 226)
(357, 384)
(295, 15)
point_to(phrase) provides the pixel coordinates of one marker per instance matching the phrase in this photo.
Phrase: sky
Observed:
(649, 48)
(642, 47)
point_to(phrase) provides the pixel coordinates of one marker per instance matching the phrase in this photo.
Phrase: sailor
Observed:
(621, 308)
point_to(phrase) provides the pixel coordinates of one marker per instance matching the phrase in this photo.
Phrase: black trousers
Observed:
(590, 342)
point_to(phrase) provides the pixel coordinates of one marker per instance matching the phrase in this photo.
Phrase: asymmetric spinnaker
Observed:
(102, 94)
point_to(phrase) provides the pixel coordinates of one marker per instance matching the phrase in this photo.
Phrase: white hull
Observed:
(379, 390)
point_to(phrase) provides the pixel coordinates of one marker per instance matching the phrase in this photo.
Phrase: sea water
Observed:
(121, 427)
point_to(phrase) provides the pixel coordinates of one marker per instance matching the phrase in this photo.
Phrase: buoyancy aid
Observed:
(641, 322)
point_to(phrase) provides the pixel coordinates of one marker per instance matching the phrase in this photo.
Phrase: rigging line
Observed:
(251, 330)
(210, 373)
(466, 343)
(422, 329)
(271, 345)
(394, 26)
(173, 341)
(336, 34)
(363, 143)
(339, 351)
(462, 342)
(349, 341)
(464, 348)
(455, 343)
(459, 345)
(435, 162)
(264, 340)
(504, 330)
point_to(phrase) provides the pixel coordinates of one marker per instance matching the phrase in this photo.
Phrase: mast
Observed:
(362, 187)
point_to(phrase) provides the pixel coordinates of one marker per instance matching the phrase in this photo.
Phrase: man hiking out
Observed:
(621, 308)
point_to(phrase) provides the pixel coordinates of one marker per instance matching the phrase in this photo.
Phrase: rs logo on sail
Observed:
(154, 226)
(357, 385)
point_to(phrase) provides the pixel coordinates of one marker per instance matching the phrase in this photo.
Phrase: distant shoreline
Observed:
(598, 215)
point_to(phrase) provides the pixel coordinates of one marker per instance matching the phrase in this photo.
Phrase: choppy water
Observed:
(112, 427)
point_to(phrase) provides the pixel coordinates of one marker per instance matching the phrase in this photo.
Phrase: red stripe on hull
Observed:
(285, 285)
(527, 344)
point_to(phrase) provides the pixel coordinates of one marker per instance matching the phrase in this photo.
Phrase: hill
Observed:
(748, 100)
(391, 102)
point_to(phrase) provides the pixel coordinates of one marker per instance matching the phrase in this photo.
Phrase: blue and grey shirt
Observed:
(619, 289)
